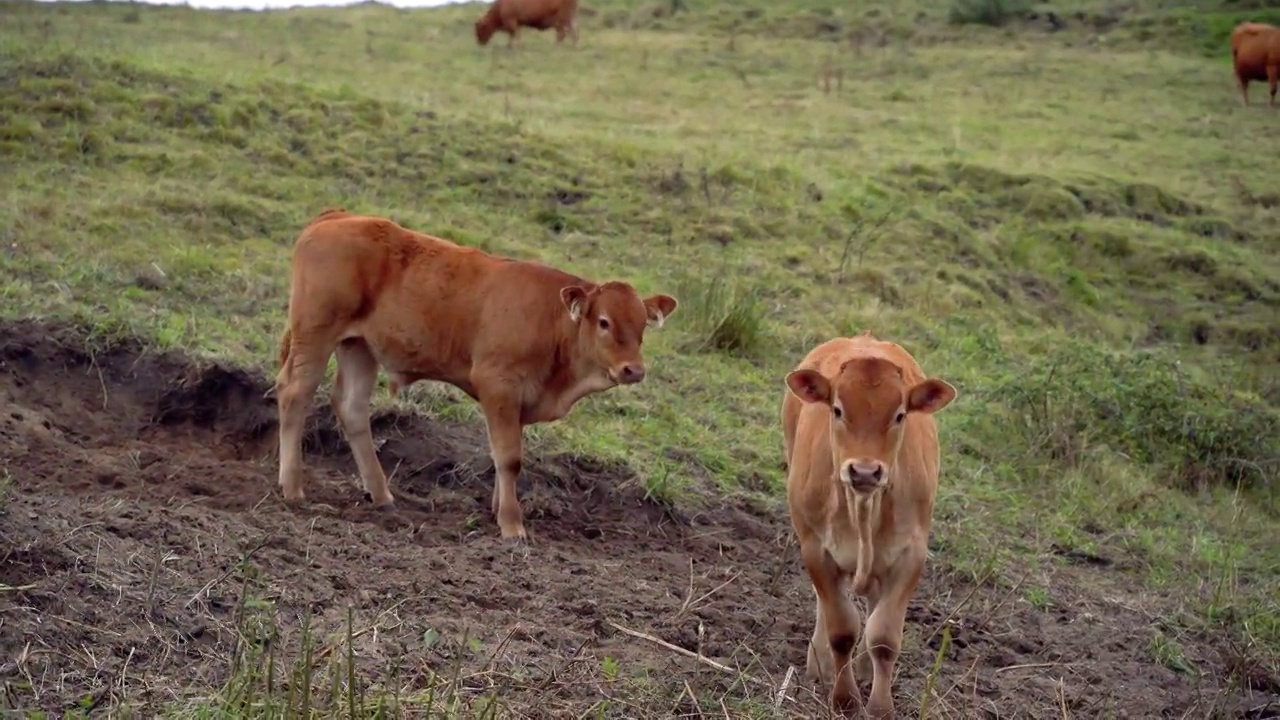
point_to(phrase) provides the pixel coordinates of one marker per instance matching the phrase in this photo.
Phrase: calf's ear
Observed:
(809, 385)
(659, 308)
(930, 396)
(574, 297)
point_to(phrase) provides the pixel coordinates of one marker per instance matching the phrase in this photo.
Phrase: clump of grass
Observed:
(1198, 432)
(995, 13)
(319, 676)
(720, 316)
(1168, 652)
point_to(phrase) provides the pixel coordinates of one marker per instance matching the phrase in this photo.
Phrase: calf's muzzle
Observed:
(863, 475)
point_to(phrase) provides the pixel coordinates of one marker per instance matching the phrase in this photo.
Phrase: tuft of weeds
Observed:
(722, 316)
(995, 13)
(278, 673)
(1168, 652)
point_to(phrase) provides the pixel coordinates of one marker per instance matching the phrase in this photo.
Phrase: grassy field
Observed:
(1078, 229)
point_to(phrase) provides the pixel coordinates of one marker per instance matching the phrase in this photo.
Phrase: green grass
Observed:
(1079, 233)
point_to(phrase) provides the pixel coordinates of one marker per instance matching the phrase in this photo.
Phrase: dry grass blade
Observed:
(229, 571)
(784, 687)
(686, 653)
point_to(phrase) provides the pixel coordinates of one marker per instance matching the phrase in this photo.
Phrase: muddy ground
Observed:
(142, 529)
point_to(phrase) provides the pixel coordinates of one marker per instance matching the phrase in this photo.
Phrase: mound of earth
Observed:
(143, 526)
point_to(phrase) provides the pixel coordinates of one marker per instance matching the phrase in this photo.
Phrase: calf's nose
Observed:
(863, 474)
(631, 373)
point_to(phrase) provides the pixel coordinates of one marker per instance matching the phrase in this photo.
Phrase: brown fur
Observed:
(885, 439)
(1255, 52)
(510, 15)
(525, 340)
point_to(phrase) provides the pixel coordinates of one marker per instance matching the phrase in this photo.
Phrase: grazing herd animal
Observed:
(511, 15)
(1255, 47)
(523, 339)
(528, 341)
(1255, 53)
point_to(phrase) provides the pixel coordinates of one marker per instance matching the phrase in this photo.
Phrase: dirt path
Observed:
(139, 483)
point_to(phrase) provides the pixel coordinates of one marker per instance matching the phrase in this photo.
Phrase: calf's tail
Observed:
(286, 366)
(285, 341)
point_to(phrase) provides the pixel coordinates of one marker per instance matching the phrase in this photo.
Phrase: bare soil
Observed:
(143, 525)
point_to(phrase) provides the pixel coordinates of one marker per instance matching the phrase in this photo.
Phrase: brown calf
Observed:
(1255, 53)
(510, 15)
(862, 470)
(525, 340)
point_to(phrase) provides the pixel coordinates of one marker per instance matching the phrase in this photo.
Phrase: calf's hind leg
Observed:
(295, 388)
(352, 389)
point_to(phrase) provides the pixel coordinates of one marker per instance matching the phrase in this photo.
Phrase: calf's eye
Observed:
(838, 412)
(604, 324)
(897, 420)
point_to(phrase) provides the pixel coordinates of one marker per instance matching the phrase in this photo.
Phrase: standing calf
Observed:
(862, 470)
(525, 340)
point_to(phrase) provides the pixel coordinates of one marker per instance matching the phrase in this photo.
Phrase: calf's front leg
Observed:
(884, 628)
(502, 418)
(836, 629)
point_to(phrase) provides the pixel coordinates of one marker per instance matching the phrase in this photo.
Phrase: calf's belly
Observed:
(407, 359)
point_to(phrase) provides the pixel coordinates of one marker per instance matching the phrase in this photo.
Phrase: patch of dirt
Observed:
(143, 528)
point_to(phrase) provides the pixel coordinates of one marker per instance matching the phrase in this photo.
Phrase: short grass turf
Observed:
(1081, 238)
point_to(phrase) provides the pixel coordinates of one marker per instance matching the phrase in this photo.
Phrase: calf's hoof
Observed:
(849, 706)
(846, 698)
(518, 544)
(387, 505)
(880, 711)
(514, 533)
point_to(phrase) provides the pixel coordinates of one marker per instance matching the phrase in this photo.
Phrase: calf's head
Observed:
(610, 320)
(869, 403)
(485, 27)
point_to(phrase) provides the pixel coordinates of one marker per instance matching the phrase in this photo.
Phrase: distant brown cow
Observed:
(1255, 51)
(862, 455)
(510, 15)
(523, 339)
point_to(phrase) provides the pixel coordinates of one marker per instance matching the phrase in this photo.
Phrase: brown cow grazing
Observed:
(510, 15)
(523, 339)
(862, 469)
(1255, 51)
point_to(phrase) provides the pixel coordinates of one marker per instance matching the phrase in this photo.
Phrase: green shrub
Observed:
(1200, 433)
